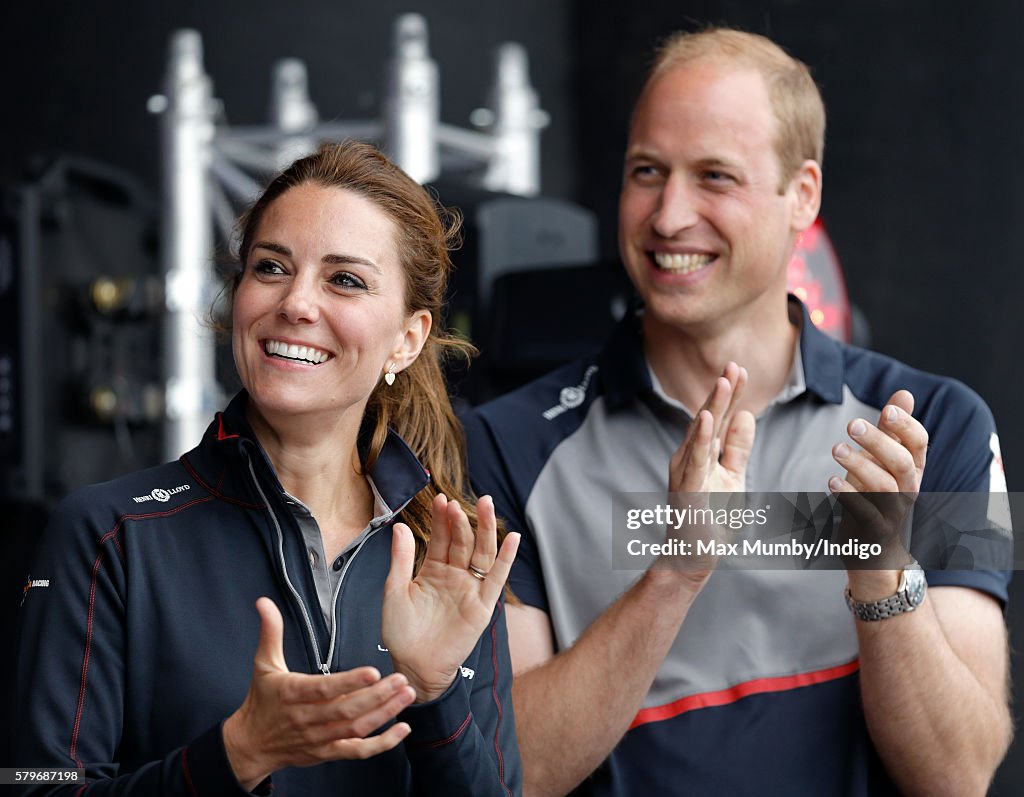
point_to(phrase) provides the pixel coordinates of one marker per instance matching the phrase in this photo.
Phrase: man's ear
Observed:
(806, 189)
(415, 334)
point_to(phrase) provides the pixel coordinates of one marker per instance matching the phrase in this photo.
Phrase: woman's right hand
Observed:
(298, 719)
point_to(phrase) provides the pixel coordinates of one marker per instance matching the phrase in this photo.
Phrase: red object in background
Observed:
(815, 276)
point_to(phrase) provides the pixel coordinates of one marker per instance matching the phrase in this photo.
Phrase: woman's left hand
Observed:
(431, 623)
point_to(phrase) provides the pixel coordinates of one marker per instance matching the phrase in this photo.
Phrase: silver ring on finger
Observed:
(476, 572)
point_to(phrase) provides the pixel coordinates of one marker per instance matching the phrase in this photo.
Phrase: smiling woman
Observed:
(321, 495)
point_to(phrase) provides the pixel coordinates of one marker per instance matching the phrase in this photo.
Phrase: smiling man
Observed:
(739, 681)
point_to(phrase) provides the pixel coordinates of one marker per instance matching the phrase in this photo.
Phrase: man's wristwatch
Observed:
(909, 595)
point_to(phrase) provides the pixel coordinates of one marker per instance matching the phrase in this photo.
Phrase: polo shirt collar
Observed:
(622, 364)
(822, 358)
(818, 366)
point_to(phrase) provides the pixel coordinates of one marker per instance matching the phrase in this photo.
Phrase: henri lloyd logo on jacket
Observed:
(161, 495)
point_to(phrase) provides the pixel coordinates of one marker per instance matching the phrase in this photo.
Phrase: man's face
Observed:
(704, 232)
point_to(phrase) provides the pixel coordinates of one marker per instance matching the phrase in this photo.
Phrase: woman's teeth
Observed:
(292, 352)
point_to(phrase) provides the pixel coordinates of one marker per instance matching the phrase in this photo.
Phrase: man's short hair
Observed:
(794, 96)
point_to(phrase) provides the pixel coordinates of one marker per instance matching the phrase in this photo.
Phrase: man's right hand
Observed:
(712, 459)
(714, 454)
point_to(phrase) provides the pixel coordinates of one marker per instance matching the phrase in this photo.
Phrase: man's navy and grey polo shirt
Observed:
(759, 693)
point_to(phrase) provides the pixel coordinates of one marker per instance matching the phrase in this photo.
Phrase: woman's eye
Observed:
(345, 280)
(267, 267)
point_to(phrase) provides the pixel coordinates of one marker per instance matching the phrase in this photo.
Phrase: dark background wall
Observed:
(923, 168)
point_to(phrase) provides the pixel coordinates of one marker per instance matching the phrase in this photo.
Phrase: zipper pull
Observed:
(325, 670)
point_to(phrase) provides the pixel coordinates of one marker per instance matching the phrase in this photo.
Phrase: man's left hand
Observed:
(882, 481)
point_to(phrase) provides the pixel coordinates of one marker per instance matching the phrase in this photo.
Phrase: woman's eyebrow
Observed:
(271, 246)
(332, 259)
(341, 260)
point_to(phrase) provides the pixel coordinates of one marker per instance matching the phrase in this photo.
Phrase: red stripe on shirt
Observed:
(758, 686)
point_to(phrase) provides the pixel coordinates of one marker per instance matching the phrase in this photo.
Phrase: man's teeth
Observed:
(681, 264)
(293, 352)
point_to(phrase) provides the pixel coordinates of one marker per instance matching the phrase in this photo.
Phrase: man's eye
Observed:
(345, 280)
(717, 177)
(645, 170)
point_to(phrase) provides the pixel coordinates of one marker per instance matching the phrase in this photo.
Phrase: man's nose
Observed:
(677, 207)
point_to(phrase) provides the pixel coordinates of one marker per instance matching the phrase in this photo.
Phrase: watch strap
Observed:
(900, 603)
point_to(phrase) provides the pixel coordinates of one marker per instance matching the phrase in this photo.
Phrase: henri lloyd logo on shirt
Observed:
(571, 397)
(161, 495)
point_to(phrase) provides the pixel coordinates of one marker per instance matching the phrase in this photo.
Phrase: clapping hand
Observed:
(299, 719)
(882, 478)
(432, 622)
(713, 458)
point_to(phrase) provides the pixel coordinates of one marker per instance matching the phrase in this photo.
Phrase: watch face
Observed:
(915, 586)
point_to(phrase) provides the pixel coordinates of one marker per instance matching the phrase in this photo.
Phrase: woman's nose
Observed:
(299, 304)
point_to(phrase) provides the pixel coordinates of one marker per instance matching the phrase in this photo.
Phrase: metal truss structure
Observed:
(209, 168)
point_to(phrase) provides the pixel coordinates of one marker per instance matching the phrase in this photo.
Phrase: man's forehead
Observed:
(708, 85)
(719, 66)
(705, 98)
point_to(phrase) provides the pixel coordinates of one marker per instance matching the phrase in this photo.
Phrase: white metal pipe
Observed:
(292, 111)
(224, 213)
(468, 143)
(191, 390)
(518, 120)
(243, 153)
(238, 184)
(412, 102)
(357, 129)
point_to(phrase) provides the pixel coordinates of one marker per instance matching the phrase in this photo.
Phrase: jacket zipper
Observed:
(337, 592)
(341, 579)
(323, 666)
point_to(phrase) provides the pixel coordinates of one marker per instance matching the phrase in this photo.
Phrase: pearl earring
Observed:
(389, 377)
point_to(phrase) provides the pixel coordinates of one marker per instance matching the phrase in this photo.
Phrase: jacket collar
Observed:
(622, 364)
(823, 359)
(397, 475)
(625, 374)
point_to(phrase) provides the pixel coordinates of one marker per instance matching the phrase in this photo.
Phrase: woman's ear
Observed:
(413, 337)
